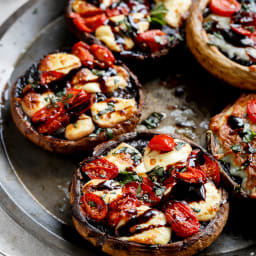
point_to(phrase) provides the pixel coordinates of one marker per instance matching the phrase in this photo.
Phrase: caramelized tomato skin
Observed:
(94, 206)
(225, 7)
(100, 168)
(182, 219)
(162, 143)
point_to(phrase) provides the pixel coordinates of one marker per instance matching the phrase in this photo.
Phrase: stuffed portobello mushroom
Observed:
(221, 34)
(130, 28)
(232, 141)
(72, 101)
(149, 194)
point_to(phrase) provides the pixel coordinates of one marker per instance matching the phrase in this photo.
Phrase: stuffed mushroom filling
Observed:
(77, 94)
(234, 133)
(130, 25)
(151, 192)
(231, 27)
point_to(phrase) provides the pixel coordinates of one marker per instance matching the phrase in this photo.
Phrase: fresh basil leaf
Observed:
(153, 120)
(157, 15)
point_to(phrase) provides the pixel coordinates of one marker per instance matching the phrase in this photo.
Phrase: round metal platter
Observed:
(34, 183)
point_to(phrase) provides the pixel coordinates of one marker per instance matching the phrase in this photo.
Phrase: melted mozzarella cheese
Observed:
(105, 34)
(32, 102)
(92, 87)
(207, 209)
(83, 76)
(231, 51)
(107, 195)
(153, 158)
(124, 160)
(110, 112)
(176, 10)
(61, 62)
(114, 82)
(157, 235)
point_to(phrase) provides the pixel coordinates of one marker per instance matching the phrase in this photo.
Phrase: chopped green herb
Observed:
(35, 85)
(237, 148)
(135, 156)
(110, 133)
(110, 108)
(247, 134)
(97, 72)
(138, 190)
(75, 125)
(160, 190)
(208, 25)
(126, 176)
(92, 204)
(196, 209)
(250, 28)
(218, 35)
(156, 171)
(157, 15)
(251, 149)
(180, 144)
(153, 120)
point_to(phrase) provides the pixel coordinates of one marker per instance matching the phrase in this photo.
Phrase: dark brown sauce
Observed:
(127, 228)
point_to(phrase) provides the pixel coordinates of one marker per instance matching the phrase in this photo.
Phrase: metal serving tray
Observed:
(34, 183)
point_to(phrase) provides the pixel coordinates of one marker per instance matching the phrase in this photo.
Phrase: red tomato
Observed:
(153, 39)
(211, 169)
(142, 191)
(81, 50)
(162, 142)
(49, 112)
(52, 126)
(94, 206)
(123, 208)
(95, 21)
(182, 219)
(192, 175)
(50, 76)
(240, 30)
(251, 110)
(224, 7)
(76, 97)
(117, 11)
(80, 23)
(100, 168)
(103, 54)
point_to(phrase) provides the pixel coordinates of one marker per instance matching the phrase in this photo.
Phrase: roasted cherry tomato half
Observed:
(94, 206)
(80, 23)
(52, 126)
(103, 54)
(251, 110)
(81, 50)
(211, 169)
(50, 76)
(153, 40)
(75, 98)
(49, 112)
(225, 7)
(240, 30)
(142, 191)
(123, 208)
(94, 22)
(100, 168)
(182, 219)
(162, 142)
(192, 175)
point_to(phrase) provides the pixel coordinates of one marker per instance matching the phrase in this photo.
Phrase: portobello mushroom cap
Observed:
(226, 180)
(210, 57)
(64, 146)
(112, 245)
(125, 55)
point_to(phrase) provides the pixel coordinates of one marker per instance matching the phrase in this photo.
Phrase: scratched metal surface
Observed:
(34, 183)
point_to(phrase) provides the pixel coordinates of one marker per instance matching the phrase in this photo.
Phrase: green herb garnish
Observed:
(237, 148)
(135, 156)
(157, 15)
(126, 176)
(153, 120)
(92, 204)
